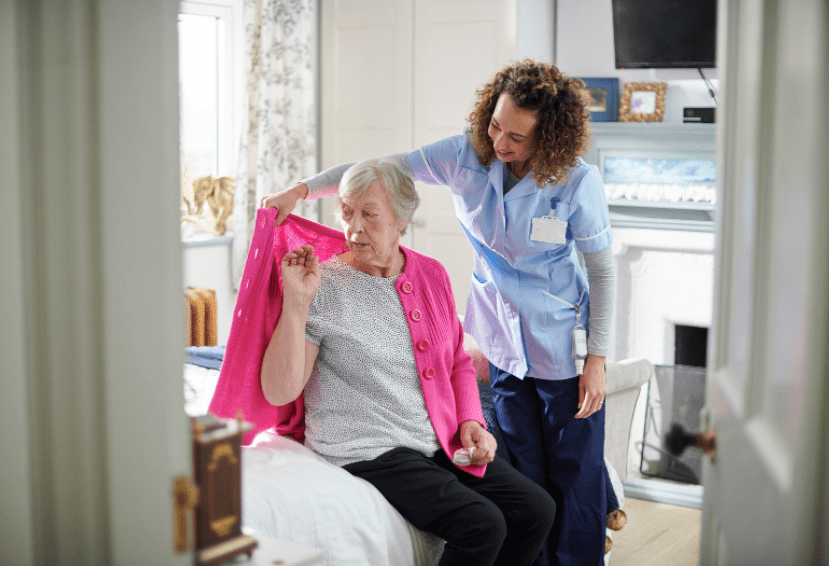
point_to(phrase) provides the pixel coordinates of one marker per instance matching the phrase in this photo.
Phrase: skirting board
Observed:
(661, 491)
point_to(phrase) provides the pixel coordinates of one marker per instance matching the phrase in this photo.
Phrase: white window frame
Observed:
(231, 76)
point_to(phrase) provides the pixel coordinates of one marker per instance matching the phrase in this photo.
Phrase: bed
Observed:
(291, 493)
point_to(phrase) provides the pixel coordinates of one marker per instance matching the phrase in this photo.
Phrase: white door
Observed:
(397, 74)
(764, 497)
(91, 309)
(366, 74)
(148, 435)
(459, 46)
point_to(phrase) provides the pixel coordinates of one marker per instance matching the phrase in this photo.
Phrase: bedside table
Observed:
(271, 552)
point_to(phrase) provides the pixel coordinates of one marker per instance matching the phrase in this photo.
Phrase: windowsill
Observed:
(204, 239)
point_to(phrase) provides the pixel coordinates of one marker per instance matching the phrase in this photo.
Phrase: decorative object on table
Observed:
(217, 193)
(217, 470)
(643, 102)
(604, 98)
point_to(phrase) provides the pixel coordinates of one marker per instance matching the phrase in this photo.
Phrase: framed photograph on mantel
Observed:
(643, 102)
(604, 98)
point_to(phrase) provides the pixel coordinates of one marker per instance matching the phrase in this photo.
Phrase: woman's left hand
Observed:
(592, 387)
(473, 434)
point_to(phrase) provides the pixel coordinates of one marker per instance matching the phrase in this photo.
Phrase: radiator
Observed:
(200, 314)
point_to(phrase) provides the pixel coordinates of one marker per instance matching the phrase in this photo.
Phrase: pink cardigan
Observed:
(446, 373)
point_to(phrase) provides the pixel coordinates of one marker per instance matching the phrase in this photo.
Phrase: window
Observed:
(210, 42)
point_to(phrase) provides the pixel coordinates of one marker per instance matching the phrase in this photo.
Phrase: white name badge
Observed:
(549, 230)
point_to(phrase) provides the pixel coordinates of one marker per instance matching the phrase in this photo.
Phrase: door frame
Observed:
(96, 326)
(766, 389)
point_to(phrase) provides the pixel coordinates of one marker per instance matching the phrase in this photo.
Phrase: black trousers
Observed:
(502, 518)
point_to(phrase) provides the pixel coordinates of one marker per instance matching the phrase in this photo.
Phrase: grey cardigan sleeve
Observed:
(601, 276)
(326, 183)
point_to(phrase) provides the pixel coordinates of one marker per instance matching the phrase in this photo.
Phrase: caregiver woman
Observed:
(526, 200)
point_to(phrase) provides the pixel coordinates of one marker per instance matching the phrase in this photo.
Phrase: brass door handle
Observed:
(678, 439)
(185, 497)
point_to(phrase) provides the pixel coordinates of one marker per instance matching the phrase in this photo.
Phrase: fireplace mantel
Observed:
(647, 205)
(644, 134)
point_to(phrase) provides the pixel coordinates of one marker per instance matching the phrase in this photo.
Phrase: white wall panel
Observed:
(459, 46)
(366, 90)
(403, 73)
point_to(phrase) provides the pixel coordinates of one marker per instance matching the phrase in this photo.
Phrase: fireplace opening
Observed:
(690, 346)
(681, 394)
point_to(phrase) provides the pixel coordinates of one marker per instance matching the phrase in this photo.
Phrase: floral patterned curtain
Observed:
(279, 138)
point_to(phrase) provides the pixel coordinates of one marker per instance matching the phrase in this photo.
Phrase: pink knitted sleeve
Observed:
(258, 306)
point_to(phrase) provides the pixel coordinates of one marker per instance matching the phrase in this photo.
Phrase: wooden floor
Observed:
(657, 534)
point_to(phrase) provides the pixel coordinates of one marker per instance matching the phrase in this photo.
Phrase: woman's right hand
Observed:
(301, 274)
(285, 201)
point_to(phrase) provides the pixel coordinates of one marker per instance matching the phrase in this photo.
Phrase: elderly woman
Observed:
(372, 341)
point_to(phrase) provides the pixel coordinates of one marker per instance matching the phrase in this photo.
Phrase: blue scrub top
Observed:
(522, 306)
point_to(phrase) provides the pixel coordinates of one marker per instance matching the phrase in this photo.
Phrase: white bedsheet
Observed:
(199, 385)
(290, 492)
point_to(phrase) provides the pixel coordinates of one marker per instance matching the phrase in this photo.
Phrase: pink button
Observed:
(407, 287)
(416, 315)
(423, 345)
(429, 373)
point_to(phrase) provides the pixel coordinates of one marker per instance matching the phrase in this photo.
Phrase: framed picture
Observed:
(604, 98)
(643, 102)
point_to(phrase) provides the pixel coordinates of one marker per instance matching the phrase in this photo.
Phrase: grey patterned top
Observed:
(364, 396)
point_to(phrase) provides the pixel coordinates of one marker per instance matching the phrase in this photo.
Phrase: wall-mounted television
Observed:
(665, 34)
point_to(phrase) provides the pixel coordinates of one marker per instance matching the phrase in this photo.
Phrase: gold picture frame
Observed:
(643, 102)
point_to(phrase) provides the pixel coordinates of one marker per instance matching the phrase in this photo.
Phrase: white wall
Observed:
(536, 29)
(584, 48)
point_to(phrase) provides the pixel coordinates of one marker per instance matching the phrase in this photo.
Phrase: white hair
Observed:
(399, 187)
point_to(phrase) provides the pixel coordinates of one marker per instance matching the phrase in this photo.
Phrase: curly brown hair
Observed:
(562, 133)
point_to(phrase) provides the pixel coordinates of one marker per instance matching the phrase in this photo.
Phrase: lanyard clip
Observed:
(553, 204)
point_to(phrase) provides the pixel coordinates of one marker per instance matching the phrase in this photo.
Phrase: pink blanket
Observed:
(258, 306)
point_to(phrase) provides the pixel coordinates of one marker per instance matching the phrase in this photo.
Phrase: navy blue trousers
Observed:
(563, 454)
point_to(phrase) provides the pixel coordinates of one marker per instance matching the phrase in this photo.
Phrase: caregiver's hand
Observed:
(473, 434)
(285, 201)
(592, 387)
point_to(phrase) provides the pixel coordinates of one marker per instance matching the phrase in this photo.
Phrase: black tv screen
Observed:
(665, 34)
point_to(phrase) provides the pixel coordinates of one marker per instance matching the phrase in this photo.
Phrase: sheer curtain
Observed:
(278, 146)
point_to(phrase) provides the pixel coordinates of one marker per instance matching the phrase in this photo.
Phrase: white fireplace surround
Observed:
(664, 258)
(665, 278)
(663, 244)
